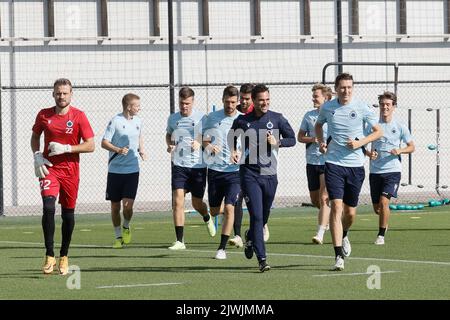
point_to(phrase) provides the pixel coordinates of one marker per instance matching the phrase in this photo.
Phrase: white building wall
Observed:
(228, 56)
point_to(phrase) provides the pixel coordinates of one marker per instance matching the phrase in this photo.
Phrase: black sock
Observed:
(381, 231)
(338, 252)
(223, 241)
(179, 233)
(344, 234)
(206, 218)
(238, 214)
(68, 224)
(48, 224)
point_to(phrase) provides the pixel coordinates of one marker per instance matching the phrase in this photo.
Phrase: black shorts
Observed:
(313, 172)
(192, 180)
(223, 185)
(344, 183)
(384, 184)
(122, 185)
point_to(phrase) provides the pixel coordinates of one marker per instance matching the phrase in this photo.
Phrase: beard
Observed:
(62, 104)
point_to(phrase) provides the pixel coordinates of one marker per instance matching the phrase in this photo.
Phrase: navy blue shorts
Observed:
(121, 185)
(384, 184)
(192, 180)
(223, 185)
(344, 183)
(313, 172)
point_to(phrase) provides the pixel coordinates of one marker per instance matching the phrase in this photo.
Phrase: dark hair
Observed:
(388, 95)
(246, 88)
(230, 91)
(62, 82)
(342, 76)
(258, 89)
(326, 90)
(186, 92)
(126, 100)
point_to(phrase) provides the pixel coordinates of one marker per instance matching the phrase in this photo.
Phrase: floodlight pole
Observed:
(409, 155)
(2, 207)
(171, 57)
(339, 34)
(438, 164)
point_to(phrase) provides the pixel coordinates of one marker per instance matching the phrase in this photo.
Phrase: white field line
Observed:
(352, 274)
(139, 285)
(38, 226)
(240, 253)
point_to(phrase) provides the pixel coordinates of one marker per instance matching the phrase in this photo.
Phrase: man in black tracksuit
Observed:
(262, 133)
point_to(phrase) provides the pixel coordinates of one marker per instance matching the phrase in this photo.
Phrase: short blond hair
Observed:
(326, 90)
(126, 100)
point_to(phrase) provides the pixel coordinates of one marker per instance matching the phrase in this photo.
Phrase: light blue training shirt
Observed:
(217, 126)
(346, 122)
(313, 155)
(122, 132)
(394, 133)
(183, 131)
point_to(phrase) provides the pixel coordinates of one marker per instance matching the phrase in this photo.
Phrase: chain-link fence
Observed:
(21, 189)
(284, 44)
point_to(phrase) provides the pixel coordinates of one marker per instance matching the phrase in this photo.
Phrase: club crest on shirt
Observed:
(69, 127)
(352, 114)
(393, 130)
(269, 125)
(248, 124)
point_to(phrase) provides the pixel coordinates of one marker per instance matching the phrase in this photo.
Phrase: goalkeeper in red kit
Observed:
(67, 133)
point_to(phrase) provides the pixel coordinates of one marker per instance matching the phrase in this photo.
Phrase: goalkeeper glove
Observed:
(58, 148)
(40, 163)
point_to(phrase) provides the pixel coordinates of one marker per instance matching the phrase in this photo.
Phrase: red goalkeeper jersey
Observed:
(69, 128)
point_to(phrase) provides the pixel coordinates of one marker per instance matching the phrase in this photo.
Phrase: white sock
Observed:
(126, 223)
(118, 232)
(321, 231)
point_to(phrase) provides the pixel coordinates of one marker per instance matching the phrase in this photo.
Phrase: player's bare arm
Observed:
(376, 133)
(319, 136)
(196, 143)
(141, 149)
(35, 142)
(410, 148)
(86, 146)
(110, 147)
(210, 147)
(303, 138)
(170, 143)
